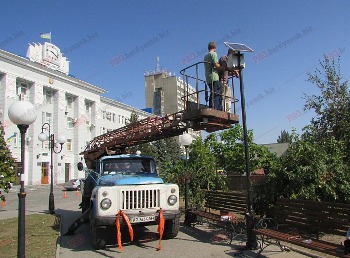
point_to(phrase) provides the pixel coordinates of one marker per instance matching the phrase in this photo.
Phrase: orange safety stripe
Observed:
(117, 225)
(119, 235)
(160, 228)
(126, 219)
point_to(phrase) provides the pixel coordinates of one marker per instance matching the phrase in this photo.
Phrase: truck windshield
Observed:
(132, 166)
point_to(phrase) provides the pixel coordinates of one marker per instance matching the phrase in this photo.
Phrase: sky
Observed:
(111, 44)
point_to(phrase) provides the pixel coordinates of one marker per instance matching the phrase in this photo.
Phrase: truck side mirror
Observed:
(80, 166)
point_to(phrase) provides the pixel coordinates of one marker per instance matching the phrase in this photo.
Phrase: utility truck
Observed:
(129, 183)
(117, 182)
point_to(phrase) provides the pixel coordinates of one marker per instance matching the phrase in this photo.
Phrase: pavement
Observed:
(199, 241)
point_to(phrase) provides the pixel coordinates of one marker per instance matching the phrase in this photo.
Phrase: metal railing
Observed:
(199, 92)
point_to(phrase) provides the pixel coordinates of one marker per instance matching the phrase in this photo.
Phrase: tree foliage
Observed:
(223, 150)
(199, 170)
(284, 137)
(230, 150)
(316, 166)
(331, 106)
(7, 173)
(167, 152)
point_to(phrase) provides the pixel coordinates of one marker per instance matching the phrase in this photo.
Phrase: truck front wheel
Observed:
(97, 236)
(171, 228)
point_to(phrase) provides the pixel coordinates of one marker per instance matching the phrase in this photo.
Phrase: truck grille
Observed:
(140, 199)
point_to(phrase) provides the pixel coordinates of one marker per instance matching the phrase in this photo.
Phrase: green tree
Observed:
(133, 118)
(316, 171)
(200, 171)
(331, 105)
(217, 151)
(284, 137)
(7, 173)
(230, 151)
(316, 166)
(167, 152)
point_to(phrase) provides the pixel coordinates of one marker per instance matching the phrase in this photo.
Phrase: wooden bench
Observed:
(216, 203)
(302, 222)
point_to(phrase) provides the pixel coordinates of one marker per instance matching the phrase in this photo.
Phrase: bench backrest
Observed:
(327, 217)
(232, 201)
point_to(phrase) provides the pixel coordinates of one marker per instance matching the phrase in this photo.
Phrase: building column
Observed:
(79, 138)
(59, 121)
(34, 146)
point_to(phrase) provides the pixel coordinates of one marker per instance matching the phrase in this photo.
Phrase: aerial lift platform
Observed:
(196, 116)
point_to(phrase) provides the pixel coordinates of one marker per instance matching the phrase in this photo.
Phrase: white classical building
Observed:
(72, 107)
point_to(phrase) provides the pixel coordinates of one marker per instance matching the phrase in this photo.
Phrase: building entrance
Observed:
(44, 173)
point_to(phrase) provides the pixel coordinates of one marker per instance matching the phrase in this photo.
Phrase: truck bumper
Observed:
(110, 221)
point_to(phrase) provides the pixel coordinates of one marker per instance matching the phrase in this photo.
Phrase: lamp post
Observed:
(23, 114)
(238, 62)
(186, 140)
(61, 139)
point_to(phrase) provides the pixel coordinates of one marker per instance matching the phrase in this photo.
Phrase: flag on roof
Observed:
(45, 35)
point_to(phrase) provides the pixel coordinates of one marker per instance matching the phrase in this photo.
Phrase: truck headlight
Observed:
(172, 199)
(105, 204)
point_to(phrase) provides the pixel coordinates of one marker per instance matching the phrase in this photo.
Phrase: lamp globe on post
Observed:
(42, 137)
(23, 114)
(61, 139)
(186, 140)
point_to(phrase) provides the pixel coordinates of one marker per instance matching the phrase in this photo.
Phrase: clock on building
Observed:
(51, 54)
(48, 55)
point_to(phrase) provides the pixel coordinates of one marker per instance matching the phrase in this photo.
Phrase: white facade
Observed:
(72, 107)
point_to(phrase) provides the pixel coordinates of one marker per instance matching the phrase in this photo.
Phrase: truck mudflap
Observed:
(135, 219)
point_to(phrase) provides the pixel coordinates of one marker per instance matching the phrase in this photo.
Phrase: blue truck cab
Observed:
(129, 183)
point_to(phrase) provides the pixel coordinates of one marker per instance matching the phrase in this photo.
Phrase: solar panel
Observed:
(238, 47)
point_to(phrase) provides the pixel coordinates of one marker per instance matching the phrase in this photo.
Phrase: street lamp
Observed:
(236, 60)
(23, 114)
(186, 140)
(61, 139)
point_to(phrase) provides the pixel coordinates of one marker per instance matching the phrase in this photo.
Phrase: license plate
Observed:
(142, 219)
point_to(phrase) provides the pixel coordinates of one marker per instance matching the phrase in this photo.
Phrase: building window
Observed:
(48, 95)
(113, 117)
(69, 145)
(69, 101)
(103, 114)
(70, 122)
(46, 118)
(22, 90)
(88, 106)
(108, 115)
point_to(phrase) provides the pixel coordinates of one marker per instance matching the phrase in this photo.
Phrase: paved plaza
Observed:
(199, 241)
